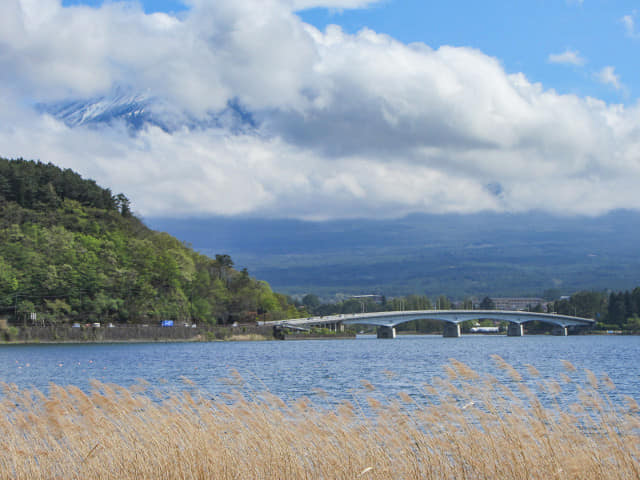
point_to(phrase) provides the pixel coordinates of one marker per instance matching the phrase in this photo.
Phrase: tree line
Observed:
(612, 310)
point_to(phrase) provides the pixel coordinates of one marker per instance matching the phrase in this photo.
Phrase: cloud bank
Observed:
(343, 125)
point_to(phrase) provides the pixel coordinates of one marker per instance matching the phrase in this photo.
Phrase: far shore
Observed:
(142, 333)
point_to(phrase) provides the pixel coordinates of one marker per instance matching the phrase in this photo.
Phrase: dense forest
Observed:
(71, 251)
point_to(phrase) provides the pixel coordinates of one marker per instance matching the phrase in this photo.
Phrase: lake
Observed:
(292, 369)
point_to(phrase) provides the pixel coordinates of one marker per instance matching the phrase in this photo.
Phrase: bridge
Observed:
(387, 321)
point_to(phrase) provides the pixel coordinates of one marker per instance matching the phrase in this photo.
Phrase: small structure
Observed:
(377, 298)
(479, 329)
(518, 303)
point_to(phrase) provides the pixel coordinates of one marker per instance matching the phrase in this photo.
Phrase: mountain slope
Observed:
(458, 255)
(72, 251)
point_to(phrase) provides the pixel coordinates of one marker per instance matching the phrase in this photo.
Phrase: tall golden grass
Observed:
(464, 425)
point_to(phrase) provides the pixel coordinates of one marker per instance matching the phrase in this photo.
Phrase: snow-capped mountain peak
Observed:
(137, 110)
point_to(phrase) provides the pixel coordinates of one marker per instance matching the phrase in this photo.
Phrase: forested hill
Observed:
(73, 251)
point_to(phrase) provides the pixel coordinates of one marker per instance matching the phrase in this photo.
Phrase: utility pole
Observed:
(15, 309)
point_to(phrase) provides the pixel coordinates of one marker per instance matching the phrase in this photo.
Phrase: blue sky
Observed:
(359, 108)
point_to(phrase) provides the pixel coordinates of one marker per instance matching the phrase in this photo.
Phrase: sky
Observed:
(358, 108)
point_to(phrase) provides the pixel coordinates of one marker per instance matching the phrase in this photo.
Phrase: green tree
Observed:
(616, 311)
(632, 324)
(443, 303)
(487, 304)
(123, 204)
(8, 278)
(57, 311)
(311, 302)
(537, 308)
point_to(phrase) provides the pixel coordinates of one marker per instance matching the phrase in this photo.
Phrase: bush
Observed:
(11, 334)
(218, 334)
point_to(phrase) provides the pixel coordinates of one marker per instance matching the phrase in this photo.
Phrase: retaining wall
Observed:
(128, 333)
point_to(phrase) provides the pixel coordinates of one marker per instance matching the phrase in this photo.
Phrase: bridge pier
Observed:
(560, 331)
(451, 330)
(515, 330)
(278, 332)
(336, 327)
(386, 332)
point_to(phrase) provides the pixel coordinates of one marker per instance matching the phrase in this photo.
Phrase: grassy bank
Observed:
(464, 426)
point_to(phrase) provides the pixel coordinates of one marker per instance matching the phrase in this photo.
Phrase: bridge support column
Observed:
(386, 332)
(278, 332)
(560, 331)
(515, 330)
(451, 330)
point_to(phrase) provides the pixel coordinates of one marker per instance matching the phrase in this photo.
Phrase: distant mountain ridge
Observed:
(458, 255)
(131, 107)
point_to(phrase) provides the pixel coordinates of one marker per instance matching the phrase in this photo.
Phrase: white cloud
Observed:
(629, 22)
(608, 76)
(570, 57)
(346, 125)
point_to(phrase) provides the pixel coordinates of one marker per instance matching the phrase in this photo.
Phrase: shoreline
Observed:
(60, 335)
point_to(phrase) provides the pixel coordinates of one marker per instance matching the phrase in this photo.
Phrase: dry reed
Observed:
(465, 426)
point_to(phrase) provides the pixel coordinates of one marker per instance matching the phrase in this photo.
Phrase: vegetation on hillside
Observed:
(73, 251)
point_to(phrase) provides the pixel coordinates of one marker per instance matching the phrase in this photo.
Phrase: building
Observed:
(519, 303)
(373, 298)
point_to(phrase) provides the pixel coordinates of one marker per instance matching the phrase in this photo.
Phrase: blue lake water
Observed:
(292, 369)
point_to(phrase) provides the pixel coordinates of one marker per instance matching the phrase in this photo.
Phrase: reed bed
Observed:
(463, 425)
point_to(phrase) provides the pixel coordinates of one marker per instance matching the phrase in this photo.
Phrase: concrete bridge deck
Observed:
(387, 321)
